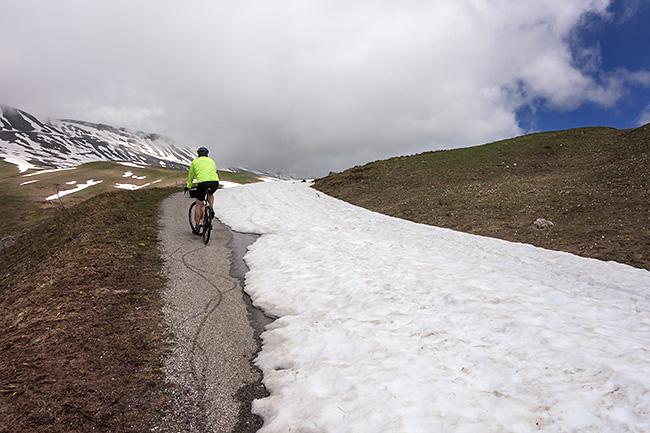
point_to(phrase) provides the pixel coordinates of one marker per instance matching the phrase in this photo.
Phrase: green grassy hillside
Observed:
(23, 195)
(593, 183)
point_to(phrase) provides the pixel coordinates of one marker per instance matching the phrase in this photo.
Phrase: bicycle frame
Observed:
(207, 213)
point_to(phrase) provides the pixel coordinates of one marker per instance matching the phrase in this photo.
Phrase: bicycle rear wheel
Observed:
(191, 215)
(207, 224)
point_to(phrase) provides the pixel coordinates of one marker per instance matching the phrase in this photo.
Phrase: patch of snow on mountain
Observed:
(132, 187)
(30, 143)
(130, 164)
(79, 187)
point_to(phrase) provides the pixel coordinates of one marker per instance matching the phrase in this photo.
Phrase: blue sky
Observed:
(623, 42)
(307, 87)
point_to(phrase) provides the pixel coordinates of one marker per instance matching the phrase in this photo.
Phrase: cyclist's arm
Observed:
(190, 176)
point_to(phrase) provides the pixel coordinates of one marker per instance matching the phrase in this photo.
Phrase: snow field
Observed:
(226, 184)
(386, 325)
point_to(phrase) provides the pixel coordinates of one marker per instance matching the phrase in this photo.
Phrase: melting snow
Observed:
(226, 184)
(20, 162)
(130, 174)
(134, 187)
(389, 326)
(70, 191)
(131, 164)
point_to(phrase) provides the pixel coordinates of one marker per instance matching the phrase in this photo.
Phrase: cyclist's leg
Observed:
(197, 211)
(200, 196)
(214, 186)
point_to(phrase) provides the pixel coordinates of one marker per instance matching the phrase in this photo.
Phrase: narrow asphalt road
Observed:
(215, 330)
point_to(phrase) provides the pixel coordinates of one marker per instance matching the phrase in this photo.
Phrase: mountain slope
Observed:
(593, 183)
(29, 143)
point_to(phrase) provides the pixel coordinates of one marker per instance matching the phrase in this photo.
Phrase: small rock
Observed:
(7, 242)
(541, 223)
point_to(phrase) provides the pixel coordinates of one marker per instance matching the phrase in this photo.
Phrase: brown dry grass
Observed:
(83, 336)
(83, 340)
(593, 183)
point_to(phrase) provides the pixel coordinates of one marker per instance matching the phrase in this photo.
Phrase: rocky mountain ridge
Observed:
(57, 143)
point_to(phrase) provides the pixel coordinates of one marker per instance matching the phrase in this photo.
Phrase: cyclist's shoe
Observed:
(197, 230)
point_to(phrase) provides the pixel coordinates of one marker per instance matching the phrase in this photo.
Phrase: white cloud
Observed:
(299, 86)
(644, 117)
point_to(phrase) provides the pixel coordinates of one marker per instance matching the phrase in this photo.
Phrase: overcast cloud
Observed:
(304, 86)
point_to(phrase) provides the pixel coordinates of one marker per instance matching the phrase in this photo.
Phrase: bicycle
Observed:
(207, 213)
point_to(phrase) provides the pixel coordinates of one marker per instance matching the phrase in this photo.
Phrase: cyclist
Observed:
(205, 171)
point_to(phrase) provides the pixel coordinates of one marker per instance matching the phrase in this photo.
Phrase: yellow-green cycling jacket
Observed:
(204, 169)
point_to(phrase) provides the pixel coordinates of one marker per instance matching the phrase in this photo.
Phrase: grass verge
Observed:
(23, 195)
(593, 183)
(83, 337)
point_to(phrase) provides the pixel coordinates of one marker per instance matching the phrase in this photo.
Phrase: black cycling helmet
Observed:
(203, 151)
